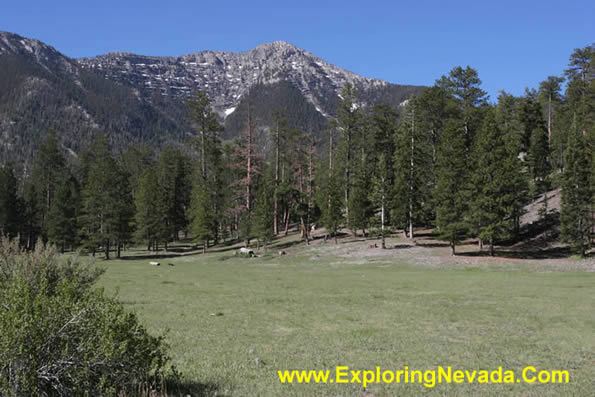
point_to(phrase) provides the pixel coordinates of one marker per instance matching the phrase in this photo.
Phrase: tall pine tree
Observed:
(451, 192)
(413, 172)
(491, 209)
(576, 215)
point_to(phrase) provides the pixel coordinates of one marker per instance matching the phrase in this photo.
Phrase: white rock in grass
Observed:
(246, 251)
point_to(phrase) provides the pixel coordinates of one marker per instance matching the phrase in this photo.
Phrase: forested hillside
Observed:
(41, 90)
(446, 159)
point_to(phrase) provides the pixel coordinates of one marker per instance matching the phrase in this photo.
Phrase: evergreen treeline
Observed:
(447, 159)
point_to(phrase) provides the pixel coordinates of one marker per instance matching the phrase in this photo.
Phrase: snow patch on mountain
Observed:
(229, 111)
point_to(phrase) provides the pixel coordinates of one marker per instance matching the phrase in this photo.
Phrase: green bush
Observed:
(59, 336)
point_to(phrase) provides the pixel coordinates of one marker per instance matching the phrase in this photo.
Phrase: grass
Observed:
(317, 312)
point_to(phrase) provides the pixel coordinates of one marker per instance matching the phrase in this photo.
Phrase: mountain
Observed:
(41, 89)
(228, 77)
(137, 98)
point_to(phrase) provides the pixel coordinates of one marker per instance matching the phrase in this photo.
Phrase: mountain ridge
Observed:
(228, 76)
(140, 98)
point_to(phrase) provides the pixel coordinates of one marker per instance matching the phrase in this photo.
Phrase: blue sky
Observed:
(513, 44)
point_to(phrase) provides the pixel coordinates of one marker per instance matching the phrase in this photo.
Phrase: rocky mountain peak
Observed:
(226, 77)
(45, 55)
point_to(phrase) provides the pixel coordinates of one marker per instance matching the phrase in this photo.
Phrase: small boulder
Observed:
(246, 251)
(154, 263)
(257, 361)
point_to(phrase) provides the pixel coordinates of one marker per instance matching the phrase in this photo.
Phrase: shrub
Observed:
(60, 336)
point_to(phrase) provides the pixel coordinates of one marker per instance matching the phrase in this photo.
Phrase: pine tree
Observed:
(580, 92)
(124, 210)
(508, 117)
(349, 124)
(264, 213)
(48, 173)
(576, 219)
(359, 203)
(279, 138)
(207, 126)
(62, 226)
(539, 160)
(11, 206)
(211, 175)
(435, 106)
(246, 158)
(549, 94)
(383, 125)
(331, 204)
(149, 212)
(451, 193)
(31, 214)
(203, 217)
(464, 85)
(491, 209)
(381, 192)
(531, 116)
(106, 200)
(329, 195)
(134, 161)
(413, 172)
(174, 181)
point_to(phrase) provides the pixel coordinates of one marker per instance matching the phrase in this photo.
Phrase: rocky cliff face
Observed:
(227, 77)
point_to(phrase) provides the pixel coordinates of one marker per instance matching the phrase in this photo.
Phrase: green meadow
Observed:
(233, 322)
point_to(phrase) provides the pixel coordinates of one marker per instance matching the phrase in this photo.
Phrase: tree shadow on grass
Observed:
(425, 234)
(432, 245)
(153, 256)
(289, 244)
(547, 253)
(180, 249)
(184, 388)
(400, 246)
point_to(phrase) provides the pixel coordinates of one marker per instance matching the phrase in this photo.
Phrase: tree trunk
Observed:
(276, 198)
(286, 221)
(452, 248)
(491, 246)
(119, 250)
(347, 174)
(107, 248)
(203, 162)
(310, 187)
(382, 222)
(549, 119)
(411, 165)
(249, 163)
